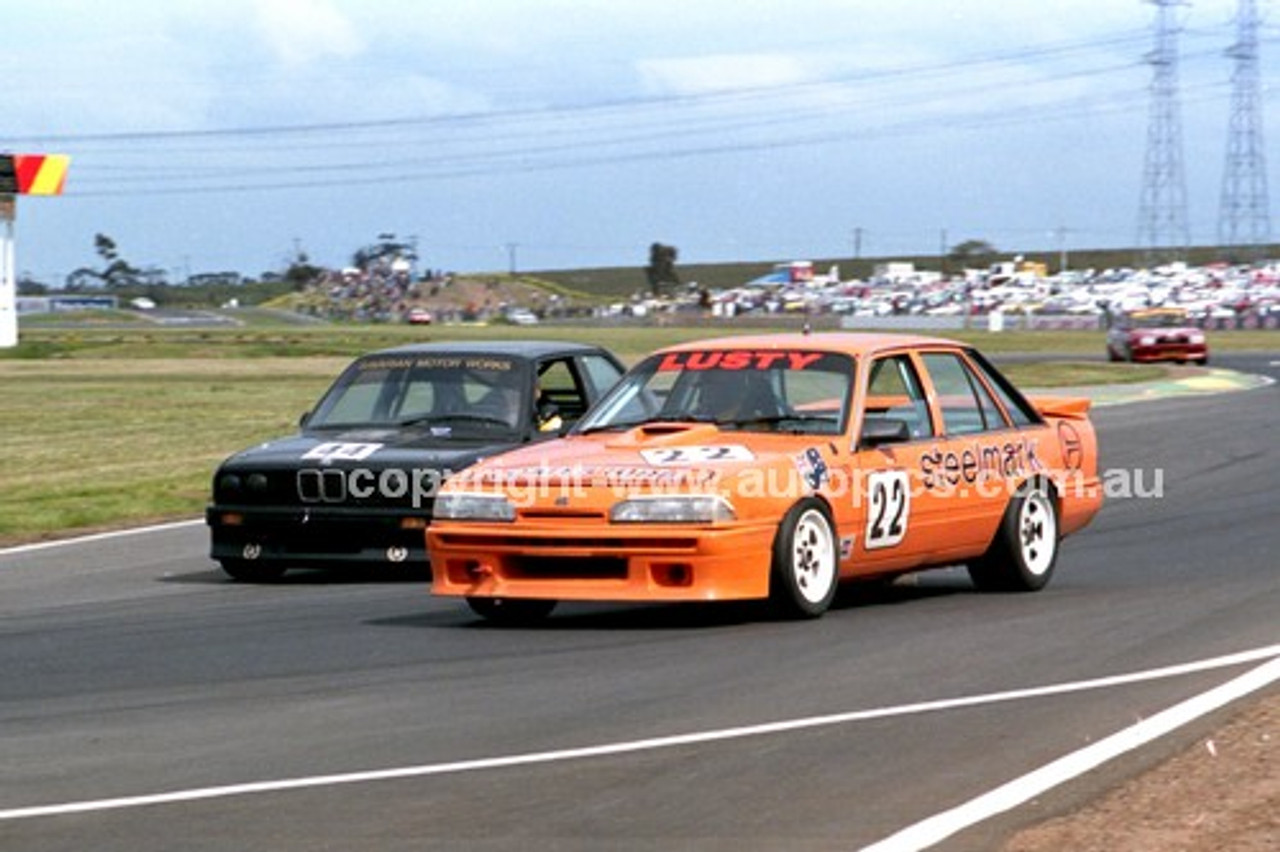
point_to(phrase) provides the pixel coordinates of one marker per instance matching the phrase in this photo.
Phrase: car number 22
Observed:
(888, 508)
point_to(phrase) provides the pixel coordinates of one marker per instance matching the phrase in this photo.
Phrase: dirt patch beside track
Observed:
(1221, 794)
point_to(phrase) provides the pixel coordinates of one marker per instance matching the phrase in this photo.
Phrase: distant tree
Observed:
(118, 273)
(972, 253)
(28, 286)
(301, 271)
(662, 267)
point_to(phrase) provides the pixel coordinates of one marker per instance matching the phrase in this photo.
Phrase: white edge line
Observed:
(1268, 653)
(937, 828)
(102, 536)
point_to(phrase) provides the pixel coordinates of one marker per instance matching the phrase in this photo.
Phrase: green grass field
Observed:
(102, 427)
(92, 341)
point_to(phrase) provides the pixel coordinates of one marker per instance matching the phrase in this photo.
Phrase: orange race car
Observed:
(774, 466)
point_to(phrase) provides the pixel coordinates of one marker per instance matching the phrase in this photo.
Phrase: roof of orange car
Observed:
(855, 343)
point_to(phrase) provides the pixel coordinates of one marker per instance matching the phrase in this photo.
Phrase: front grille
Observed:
(322, 486)
(562, 514)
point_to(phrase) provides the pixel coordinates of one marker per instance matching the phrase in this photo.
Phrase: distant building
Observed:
(894, 270)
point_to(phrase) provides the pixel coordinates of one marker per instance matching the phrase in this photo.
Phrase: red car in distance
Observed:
(1158, 334)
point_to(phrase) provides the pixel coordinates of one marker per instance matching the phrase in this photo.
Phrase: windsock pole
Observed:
(21, 174)
(8, 276)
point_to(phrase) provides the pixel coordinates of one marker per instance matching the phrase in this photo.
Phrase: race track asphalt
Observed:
(365, 711)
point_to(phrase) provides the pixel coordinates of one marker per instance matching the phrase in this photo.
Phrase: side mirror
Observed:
(303, 420)
(883, 430)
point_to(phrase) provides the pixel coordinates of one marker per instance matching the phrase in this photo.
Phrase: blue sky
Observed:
(210, 136)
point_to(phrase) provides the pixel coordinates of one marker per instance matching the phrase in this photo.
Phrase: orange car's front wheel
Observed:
(805, 555)
(513, 611)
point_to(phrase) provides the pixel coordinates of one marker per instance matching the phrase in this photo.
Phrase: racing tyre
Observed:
(252, 572)
(513, 611)
(805, 573)
(1025, 549)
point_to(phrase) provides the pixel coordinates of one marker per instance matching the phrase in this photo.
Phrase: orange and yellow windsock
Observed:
(33, 174)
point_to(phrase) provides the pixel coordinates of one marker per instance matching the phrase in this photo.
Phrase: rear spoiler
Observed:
(1062, 407)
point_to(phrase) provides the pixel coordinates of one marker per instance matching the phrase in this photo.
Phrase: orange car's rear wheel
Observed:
(511, 610)
(805, 572)
(1025, 550)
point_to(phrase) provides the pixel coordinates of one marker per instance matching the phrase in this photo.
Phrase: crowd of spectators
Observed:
(383, 292)
(388, 292)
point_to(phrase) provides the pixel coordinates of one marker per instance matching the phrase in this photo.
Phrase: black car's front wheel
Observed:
(252, 572)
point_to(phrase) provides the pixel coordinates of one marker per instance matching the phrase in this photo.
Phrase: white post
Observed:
(8, 277)
(995, 321)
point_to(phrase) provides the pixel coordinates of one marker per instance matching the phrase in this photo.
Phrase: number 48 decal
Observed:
(888, 508)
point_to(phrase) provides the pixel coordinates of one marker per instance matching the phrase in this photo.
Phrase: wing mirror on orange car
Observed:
(884, 430)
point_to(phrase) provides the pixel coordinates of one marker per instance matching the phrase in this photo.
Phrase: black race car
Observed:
(356, 485)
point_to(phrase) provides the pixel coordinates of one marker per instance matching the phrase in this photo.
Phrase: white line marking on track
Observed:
(1271, 653)
(1007, 796)
(102, 536)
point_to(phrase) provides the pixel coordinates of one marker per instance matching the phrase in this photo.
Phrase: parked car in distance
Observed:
(774, 467)
(1157, 334)
(357, 483)
(522, 316)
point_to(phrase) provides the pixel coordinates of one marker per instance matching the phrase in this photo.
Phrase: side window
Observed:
(558, 386)
(894, 392)
(966, 406)
(1019, 410)
(601, 373)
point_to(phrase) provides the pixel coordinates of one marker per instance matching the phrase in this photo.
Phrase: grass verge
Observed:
(88, 442)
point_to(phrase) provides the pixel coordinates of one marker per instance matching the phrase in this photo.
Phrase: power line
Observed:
(575, 112)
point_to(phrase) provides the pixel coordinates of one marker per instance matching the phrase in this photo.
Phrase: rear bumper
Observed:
(297, 535)
(608, 563)
(1080, 502)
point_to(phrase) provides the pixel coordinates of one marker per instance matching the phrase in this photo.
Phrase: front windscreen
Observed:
(449, 394)
(1161, 320)
(768, 390)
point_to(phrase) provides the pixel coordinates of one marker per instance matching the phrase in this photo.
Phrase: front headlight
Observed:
(692, 509)
(474, 507)
(1196, 337)
(228, 485)
(1147, 340)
